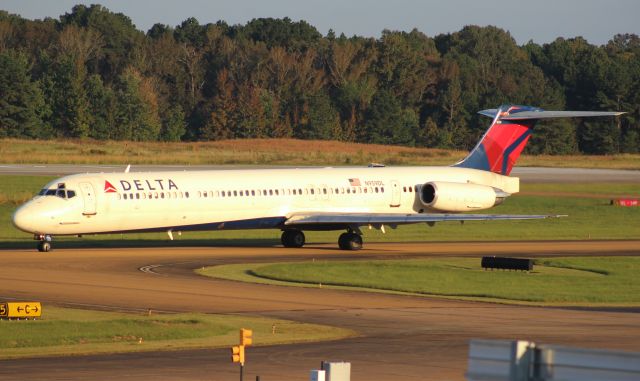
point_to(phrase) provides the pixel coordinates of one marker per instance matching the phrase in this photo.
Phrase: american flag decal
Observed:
(354, 182)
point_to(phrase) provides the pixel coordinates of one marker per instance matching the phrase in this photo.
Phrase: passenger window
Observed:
(253, 192)
(235, 193)
(204, 194)
(137, 196)
(381, 189)
(376, 188)
(71, 194)
(186, 194)
(125, 196)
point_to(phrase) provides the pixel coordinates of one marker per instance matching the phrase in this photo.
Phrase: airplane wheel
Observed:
(350, 241)
(292, 238)
(44, 246)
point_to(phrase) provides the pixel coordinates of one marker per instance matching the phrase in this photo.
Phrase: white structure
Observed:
(337, 371)
(496, 360)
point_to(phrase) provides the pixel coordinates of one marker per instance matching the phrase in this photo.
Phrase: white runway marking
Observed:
(149, 269)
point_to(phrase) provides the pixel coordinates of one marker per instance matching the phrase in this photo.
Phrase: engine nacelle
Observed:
(459, 197)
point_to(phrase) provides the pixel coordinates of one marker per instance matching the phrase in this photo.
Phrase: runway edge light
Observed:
(246, 337)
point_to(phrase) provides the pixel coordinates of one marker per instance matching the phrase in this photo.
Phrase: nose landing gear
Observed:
(44, 244)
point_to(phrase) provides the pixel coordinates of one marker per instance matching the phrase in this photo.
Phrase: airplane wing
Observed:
(400, 219)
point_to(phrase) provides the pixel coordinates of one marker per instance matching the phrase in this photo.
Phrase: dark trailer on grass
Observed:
(505, 263)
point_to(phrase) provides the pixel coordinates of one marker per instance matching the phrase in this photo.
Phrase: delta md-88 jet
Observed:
(292, 200)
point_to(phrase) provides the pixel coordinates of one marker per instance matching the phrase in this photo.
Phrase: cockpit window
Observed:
(60, 191)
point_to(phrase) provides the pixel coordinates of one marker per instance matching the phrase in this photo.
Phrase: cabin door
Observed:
(395, 194)
(89, 197)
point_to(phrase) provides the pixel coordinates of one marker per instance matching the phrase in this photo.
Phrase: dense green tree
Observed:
(91, 73)
(387, 123)
(137, 113)
(102, 108)
(71, 115)
(173, 124)
(323, 120)
(22, 107)
(278, 32)
(120, 37)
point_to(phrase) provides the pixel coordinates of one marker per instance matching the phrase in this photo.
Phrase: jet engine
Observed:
(459, 197)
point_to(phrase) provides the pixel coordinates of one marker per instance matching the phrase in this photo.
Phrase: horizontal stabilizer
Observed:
(399, 219)
(533, 115)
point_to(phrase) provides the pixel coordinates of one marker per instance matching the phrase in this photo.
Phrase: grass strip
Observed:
(575, 281)
(66, 331)
(266, 151)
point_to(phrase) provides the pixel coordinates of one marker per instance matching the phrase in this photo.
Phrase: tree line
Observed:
(92, 74)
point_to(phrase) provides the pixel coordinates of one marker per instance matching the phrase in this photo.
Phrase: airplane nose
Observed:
(23, 219)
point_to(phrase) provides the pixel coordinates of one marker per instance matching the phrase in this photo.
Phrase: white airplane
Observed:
(291, 200)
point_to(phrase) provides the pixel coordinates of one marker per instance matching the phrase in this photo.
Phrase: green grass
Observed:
(589, 218)
(266, 151)
(595, 189)
(64, 331)
(582, 281)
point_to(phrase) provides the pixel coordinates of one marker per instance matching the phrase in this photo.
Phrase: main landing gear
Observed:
(44, 244)
(292, 238)
(347, 241)
(350, 241)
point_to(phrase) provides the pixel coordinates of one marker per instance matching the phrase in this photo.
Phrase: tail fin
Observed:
(508, 134)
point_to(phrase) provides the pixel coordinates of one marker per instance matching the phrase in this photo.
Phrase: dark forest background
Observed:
(92, 74)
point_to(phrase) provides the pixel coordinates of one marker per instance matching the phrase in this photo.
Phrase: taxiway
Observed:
(400, 337)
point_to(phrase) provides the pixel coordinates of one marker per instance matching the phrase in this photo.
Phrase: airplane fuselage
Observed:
(235, 199)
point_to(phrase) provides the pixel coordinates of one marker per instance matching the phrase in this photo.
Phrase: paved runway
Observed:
(401, 337)
(526, 174)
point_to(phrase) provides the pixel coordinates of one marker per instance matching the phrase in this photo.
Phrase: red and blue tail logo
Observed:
(503, 142)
